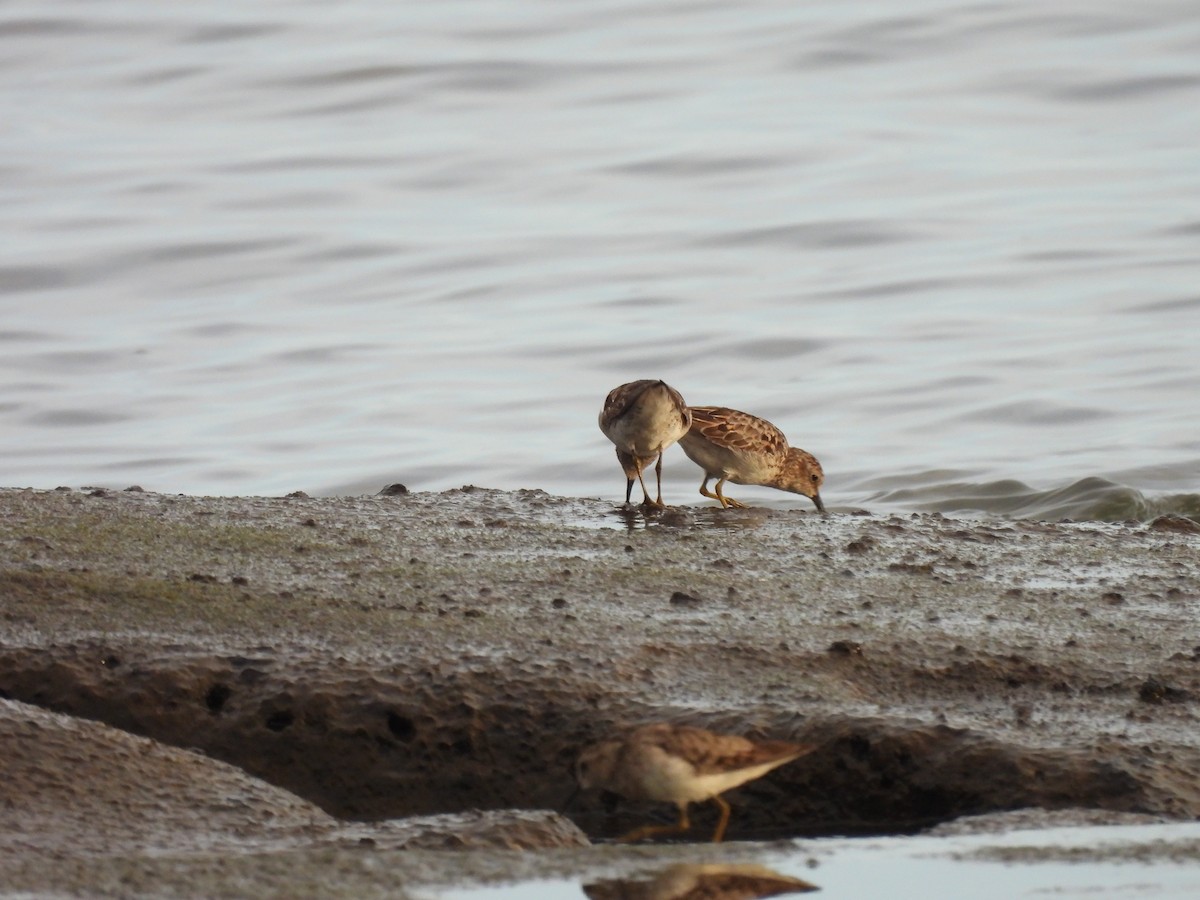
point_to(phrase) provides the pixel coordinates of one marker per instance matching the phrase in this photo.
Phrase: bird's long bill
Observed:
(816, 498)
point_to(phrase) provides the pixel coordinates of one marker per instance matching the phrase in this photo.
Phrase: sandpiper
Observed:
(679, 764)
(643, 418)
(735, 446)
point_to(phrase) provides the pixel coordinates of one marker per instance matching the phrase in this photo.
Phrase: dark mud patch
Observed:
(366, 744)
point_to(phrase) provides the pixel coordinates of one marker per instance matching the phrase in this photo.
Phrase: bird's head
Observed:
(802, 474)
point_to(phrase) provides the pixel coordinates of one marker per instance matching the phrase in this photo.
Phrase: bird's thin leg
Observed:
(649, 830)
(728, 502)
(657, 471)
(719, 834)
(628, 490)
(658, 477)
(646, 501)
(705, 492)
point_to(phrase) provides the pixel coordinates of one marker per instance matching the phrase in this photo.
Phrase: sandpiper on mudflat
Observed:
(730, 445)
(679, 764)
(643, 418)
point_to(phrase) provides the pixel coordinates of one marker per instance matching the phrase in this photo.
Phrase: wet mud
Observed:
(355, 663)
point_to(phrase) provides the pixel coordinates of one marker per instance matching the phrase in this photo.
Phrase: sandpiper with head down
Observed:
(679, 764)
(735, 446)
(643, 418)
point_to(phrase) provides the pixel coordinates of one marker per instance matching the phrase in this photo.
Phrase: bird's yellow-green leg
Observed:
(633, 467)
(646, 501)
(645, 493)
(719, 834)
(649, 830)
(728, 502)
(658, 475)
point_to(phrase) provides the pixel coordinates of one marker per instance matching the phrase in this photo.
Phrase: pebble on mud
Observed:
(846, 648)
(679, 598)
(1175, 523)
(1154, 691)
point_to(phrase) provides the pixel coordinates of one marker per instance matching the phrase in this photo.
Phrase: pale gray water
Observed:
(951, 248)
(932, 868)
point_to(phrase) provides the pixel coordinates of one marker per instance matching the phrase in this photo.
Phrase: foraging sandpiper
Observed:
(679, 764)
(735, 446)
(643, 418)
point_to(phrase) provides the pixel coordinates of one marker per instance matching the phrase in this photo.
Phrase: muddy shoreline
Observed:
(366, 660)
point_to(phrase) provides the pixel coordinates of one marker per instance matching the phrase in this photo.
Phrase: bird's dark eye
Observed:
(814, 477)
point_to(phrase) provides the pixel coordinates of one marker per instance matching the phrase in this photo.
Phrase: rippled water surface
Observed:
(951, 248)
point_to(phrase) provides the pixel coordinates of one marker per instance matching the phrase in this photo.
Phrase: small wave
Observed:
(1092, 499)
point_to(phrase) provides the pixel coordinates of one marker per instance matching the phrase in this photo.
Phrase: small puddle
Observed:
(1145, 862)
(683, 518)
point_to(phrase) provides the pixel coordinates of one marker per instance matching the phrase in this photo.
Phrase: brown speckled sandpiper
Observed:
(730, 445)
(643, 418)
(679, 764)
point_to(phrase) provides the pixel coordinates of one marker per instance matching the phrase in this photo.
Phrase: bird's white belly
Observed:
(722, 462)
(675, 780)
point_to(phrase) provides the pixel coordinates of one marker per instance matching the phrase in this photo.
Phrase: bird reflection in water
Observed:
(701, 881)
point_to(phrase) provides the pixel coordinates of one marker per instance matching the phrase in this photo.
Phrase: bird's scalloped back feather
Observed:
(738, 430)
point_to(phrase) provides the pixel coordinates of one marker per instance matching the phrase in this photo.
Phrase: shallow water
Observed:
(951, 248)
(925, 867)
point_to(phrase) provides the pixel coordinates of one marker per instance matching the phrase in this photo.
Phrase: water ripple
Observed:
(304, 244)
(1125, 88)
(816, 235)
(1040, 414)
(700, 166)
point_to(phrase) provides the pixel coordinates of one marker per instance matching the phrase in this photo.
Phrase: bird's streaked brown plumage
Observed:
(679, 764)
(731, 445)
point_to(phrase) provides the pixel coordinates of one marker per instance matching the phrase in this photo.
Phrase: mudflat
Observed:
(257, 695)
